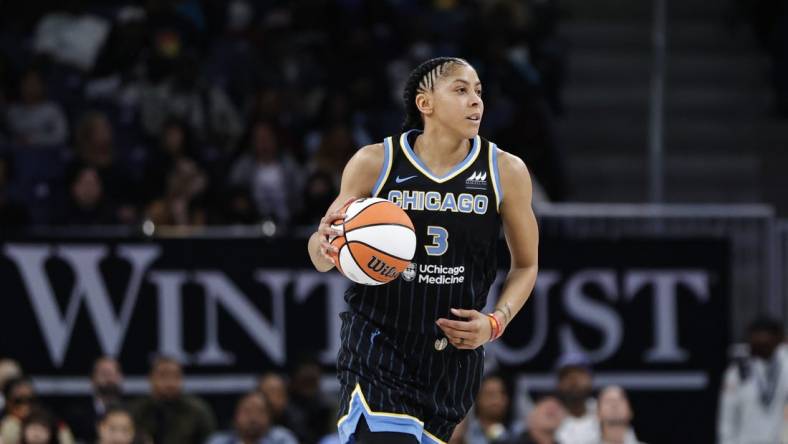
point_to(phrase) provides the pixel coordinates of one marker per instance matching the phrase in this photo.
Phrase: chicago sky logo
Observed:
(477, 180)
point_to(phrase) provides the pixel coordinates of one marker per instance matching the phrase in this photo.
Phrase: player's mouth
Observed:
(476, 118)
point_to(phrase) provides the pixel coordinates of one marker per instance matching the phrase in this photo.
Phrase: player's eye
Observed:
(461, 90)
(479, 92)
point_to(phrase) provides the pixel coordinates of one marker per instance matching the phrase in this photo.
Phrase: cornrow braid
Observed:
(423, 79)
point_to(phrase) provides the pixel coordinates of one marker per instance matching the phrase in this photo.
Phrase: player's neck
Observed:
(439, 150)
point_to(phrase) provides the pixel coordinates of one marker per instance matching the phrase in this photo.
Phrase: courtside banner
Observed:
(651, 314)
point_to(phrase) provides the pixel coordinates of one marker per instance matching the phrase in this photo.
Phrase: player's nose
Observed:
(476, 101)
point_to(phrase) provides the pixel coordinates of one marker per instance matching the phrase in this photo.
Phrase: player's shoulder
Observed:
(368, 157)
(510, 164)
(372, 151)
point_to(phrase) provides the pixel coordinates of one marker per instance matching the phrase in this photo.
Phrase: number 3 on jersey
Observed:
(440, 240)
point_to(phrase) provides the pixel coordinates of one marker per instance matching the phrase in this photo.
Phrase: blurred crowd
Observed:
(570, 415)
(193, 112)
(270, 414)
(292, 409)
(297, 408)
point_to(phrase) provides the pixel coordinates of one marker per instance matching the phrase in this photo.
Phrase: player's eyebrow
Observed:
(467, 82)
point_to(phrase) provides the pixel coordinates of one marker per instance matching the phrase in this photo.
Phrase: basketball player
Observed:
(400, 381)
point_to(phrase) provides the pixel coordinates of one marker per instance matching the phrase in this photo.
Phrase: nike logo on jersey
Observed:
(403, 179)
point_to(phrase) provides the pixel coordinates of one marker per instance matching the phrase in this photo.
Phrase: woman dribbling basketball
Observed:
(411, 358)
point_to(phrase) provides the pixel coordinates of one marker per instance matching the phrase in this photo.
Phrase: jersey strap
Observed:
(388, 159)
(496, 175)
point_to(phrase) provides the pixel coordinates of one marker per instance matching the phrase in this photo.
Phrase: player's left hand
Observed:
(469, 333)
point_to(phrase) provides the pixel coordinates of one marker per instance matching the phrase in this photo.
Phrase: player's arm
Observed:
(358, 179)
(522, 237)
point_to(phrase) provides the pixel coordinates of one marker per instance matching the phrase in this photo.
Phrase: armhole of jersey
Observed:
(385, 169)
(496, 175)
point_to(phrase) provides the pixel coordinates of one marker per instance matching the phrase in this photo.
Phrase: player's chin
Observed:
(470, 128)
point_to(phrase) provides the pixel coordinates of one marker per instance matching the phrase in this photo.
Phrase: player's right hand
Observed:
(325, 232)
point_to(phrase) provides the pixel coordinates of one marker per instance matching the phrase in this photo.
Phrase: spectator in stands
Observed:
(235, 207)
(87, 203)
(21, 406)
(575, 392)
(13, 214)
(337, 111)
(319, 192)
(168, 416)
(174, 182)
(308, 400)
(755, 388)
(19, 399)
(9, 369)
(94, 140)
(182, 203)
(274, 387)
(207, 109)
(116, 426)
(336, 148)
(269, 172)
(152, 64)
(95, 148)
(175, 143)
(253, 424)
(40, 428)
(615, 417)
(107, 383)
(34, 119)
(266, 105)
(542, 423)
(487, 422)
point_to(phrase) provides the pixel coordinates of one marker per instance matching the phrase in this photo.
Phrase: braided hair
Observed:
(423, 79)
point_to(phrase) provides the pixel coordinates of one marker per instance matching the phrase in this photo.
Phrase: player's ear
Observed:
(424, 103)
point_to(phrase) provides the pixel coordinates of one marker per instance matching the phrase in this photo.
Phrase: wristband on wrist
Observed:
(496, 329)
(506, 317)
(501, 324)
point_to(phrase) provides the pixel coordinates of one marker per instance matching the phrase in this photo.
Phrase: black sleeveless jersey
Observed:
(457, 227)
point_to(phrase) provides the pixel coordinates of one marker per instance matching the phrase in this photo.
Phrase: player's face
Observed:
(458, 101)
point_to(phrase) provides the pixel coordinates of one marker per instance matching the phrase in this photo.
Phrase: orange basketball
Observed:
(378, 242)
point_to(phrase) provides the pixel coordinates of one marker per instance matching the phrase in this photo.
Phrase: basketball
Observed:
(378, 242)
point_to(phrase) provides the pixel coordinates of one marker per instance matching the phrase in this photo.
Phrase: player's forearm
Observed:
(318, 260)
(516, 290)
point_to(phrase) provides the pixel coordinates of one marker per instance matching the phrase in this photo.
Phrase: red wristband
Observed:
(495, 327)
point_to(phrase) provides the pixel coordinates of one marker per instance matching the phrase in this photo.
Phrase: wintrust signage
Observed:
(630, 306)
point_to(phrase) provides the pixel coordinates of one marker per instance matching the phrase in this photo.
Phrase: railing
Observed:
(780, 268)
(656, 125)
